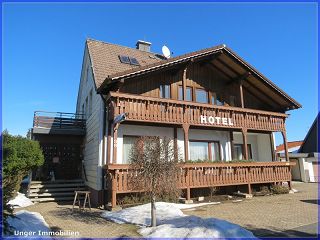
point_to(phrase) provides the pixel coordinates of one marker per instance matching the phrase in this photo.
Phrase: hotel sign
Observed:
(216, 120)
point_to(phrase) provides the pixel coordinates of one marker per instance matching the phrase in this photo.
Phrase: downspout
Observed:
(103, 151)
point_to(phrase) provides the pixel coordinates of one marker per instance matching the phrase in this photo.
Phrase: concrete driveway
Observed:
(288, 215)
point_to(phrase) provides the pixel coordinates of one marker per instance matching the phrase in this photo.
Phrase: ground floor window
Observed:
(128, 143)
(204, 151)
(238, 150)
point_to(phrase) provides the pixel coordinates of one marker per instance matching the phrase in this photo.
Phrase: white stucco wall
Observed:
(92, 154)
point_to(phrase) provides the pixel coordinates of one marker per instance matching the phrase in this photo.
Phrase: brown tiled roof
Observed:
(105, 59)
(290, 145)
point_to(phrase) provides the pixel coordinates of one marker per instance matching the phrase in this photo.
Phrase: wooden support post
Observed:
(109, 142)
(184, 83)
(285, 143)
(245, 143)
(241, 94)
(175, 143)
(188, 185)
(272, 147)
(114, 189)
(115, 142)
(232, 145)
(186, 141)
(249, 188)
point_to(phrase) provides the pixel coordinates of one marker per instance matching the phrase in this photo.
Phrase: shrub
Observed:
(278, 189)
(20, 155)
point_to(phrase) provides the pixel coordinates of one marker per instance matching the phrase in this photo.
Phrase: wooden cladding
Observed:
(149, 109)
(199, 175)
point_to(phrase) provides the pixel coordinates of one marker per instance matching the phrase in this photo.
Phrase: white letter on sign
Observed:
(203, 119)
(218, 120)
(230, 122)
(211, 119)
(224, 121)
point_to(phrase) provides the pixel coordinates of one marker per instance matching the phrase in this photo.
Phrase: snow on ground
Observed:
(20, 201)
(30, 222)
(173, 223)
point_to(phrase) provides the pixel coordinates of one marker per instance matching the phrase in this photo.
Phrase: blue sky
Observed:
(43, 46)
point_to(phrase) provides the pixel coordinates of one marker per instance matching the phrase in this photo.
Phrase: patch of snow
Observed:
(173, 223)
(31, 222)
(20, 201)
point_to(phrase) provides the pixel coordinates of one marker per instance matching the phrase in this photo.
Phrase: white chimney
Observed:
(144, 46)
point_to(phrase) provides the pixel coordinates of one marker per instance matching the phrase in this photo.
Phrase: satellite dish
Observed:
(166, 51)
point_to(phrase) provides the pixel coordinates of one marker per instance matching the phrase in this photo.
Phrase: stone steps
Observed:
(60, 190)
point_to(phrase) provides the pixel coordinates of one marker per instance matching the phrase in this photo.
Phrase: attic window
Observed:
(129, 60)
(124, 59)
(134, 61)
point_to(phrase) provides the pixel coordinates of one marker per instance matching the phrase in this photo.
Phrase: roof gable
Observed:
(107, 68)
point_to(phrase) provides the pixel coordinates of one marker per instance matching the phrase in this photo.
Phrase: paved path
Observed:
(285, 215)
(88, 224)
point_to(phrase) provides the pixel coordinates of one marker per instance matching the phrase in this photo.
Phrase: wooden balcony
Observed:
(156, 110)
(58, 123)
(201, 175)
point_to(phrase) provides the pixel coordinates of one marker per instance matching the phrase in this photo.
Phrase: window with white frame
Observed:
(128, 143)
(204, 150)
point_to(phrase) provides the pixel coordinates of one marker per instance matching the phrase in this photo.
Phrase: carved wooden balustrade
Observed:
(157, 110)
(200, 175)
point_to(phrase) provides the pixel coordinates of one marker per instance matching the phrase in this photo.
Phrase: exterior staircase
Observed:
(54, 191)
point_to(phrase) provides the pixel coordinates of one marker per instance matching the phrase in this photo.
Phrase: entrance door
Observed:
(62, 159)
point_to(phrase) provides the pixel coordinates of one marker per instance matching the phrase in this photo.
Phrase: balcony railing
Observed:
(200, 175)
(156, 110)
(58, 122)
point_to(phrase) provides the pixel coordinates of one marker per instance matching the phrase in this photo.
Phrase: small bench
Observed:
(77, 197)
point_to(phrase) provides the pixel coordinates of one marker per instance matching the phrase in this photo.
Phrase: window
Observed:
(165, 91)
(128, 60)
(188, 93)
(204, 150)
(199, 151)
(232, 101)
(90, 103)
(201, 96)
(238, 151)
(124, 59)
(128, 143)
(215, 151)
(219, 101)
(134, 61)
